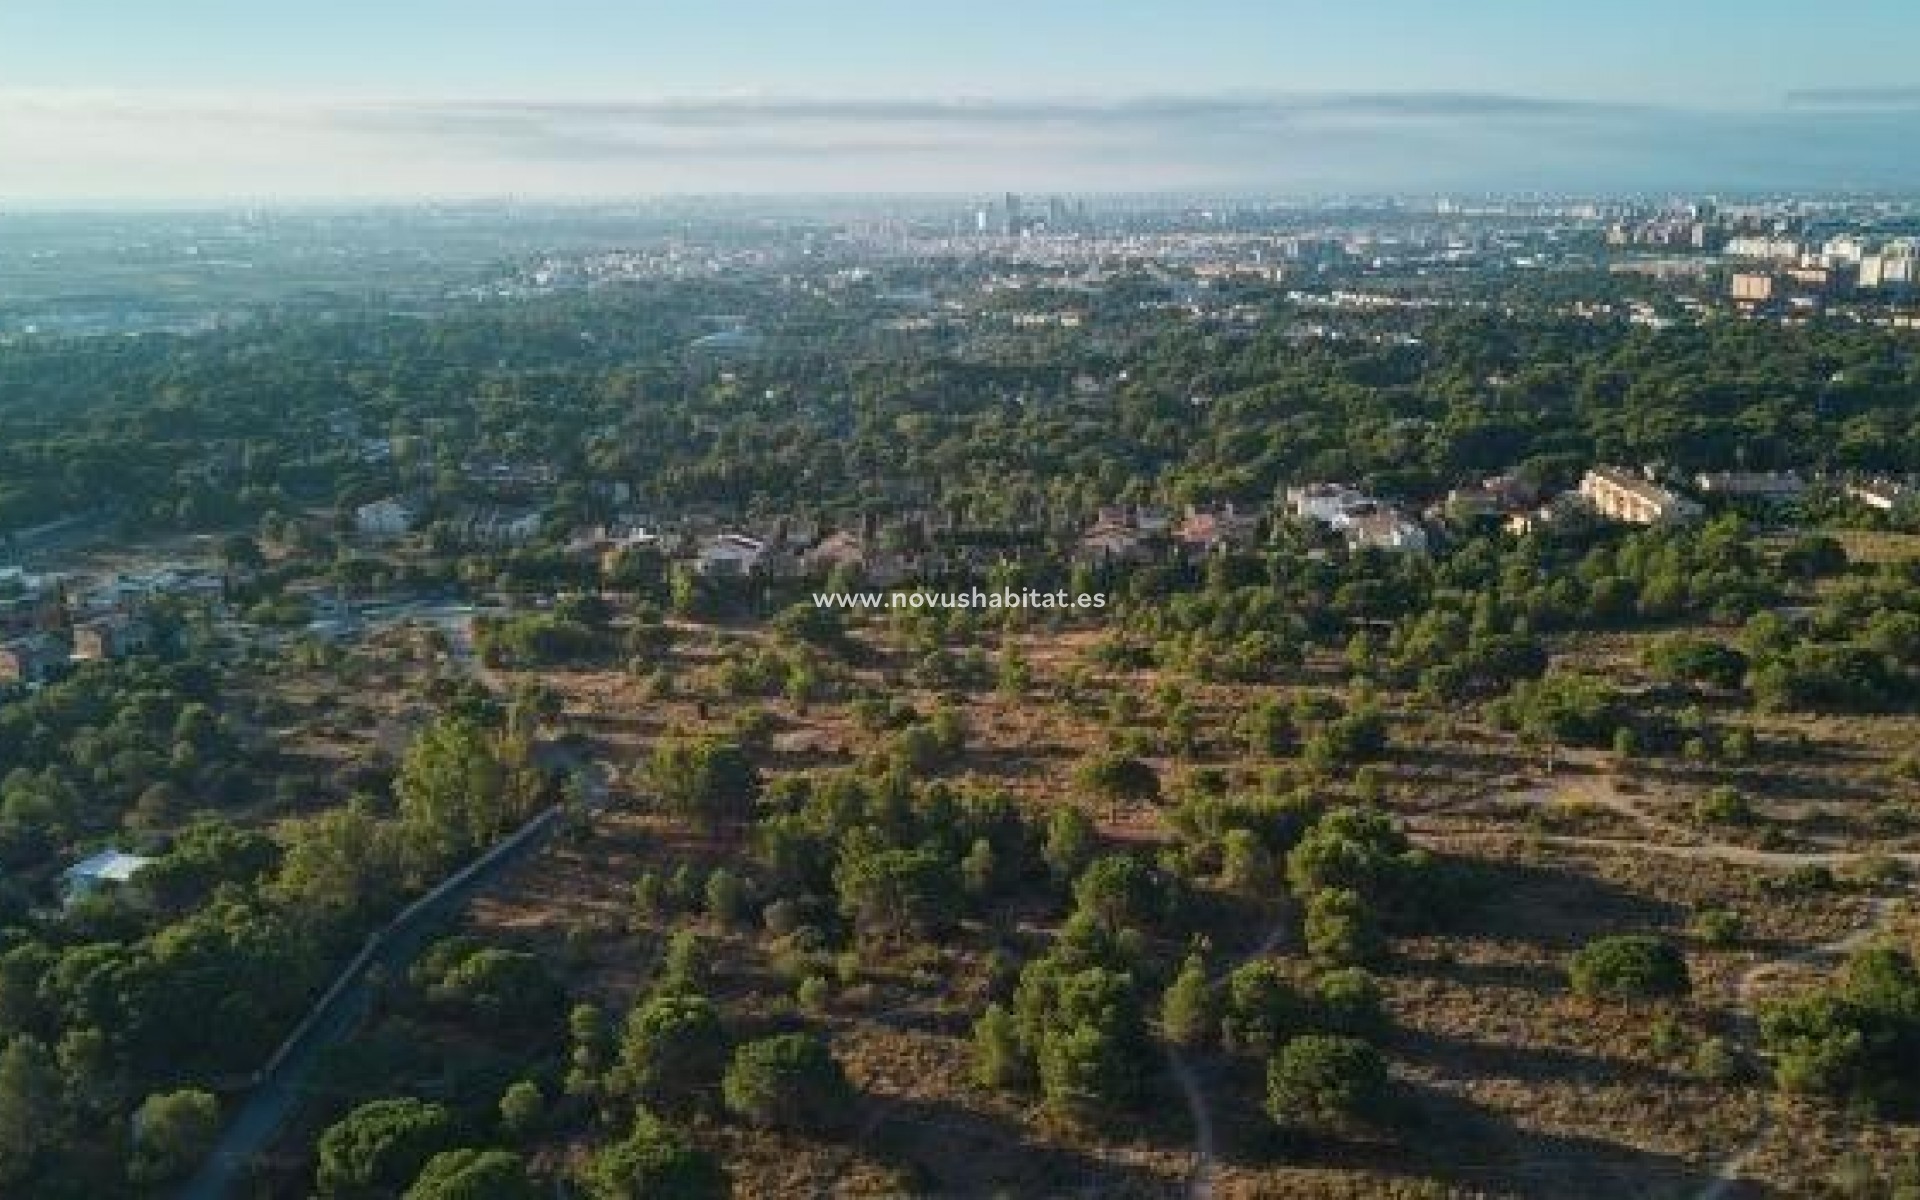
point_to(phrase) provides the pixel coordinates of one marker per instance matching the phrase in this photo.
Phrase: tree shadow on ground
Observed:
(1556, 909)
(948, 1150)
(1438, 1138)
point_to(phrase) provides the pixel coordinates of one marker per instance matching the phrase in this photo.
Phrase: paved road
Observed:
(283, 1084)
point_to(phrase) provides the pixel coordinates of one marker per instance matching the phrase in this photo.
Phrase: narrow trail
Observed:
(1205, 1157)
(1727, 1175)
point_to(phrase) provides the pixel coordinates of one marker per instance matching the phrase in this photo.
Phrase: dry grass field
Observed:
(1513, 1086)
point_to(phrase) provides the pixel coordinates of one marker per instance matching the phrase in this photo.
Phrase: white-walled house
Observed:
(109, 868)
(730, 554)
(386, 518)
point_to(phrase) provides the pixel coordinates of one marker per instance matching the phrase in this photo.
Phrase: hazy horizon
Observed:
(578, 100)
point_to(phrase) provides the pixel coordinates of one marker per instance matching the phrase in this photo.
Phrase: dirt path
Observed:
(1200, 1178)
(1727, 1174)
(1673, 839)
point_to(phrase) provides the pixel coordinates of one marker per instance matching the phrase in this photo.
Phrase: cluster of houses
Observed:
(1142, 534)
(472, 525)
(923, 545)
(1365, 522)
(41, 633)
(883, 553)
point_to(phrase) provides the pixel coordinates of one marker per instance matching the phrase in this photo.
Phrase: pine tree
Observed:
(1187, 1010)
(998, 1061)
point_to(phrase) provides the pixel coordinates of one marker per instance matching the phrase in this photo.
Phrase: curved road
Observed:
(283, 1084)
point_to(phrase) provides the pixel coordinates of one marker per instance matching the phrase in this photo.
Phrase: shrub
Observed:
(1628, 967)
(1187, 1010)
(789, 1081)
(380, 1147)
(672, 1050)
(654, 1161)
(1342, 928)
(1326, 1082)
(1722, 806)
(474, 1175)
(1717, 927)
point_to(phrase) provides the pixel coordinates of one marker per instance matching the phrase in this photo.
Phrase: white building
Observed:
(1328, 503)
(109, 868)
(1386, 530)
(1881, 494)
(730, 554)
(1365, 523)
(386, 518)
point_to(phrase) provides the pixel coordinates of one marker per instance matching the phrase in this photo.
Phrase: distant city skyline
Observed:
(218, 99)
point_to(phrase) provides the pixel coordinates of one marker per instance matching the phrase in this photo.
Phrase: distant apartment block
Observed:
(1750, 485)
(1623, 496)
(1776, 249)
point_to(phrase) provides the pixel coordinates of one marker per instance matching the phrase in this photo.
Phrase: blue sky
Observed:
(136, 98)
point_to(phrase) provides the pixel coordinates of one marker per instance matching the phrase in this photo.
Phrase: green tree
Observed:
(1070, 842)
(998, 1059)
(1119, 891)
(458, 789)
(1188, 1013)
(1262, 1007)
(1328, 1082)
(790, 1081)
(474, 1175)
(1342, 928)
(726, 896)
(1349, 1000)
(523, 1108)
(1118, 778)
(891, 893)
(1359, 849)
(1246, 866)
(380, 1147)
(589, 1051)
(672, 1051)
(29, 1106)
(705, 780)
(172, 1132)
(654, 1162)
(1088, 1034)
(1628, 967)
